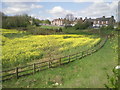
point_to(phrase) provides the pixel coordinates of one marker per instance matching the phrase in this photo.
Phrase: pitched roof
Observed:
(103, 19)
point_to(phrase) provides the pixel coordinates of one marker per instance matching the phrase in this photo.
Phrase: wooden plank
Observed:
(8, 75)
(8, 70)
(25, 66)
(25, 70)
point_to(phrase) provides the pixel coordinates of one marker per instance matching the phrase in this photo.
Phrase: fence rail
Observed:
(40, 66)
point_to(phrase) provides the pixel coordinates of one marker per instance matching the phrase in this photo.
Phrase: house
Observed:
(63, 22)
(58, 22)
(80, 20)
(98, 22)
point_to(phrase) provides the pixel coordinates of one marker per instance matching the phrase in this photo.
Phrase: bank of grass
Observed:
(50, 27)
(89, 72)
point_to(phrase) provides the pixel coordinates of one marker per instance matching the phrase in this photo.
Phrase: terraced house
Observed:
(58, 22)
(98, 22)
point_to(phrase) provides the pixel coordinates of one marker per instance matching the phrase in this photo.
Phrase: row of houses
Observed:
(98, 22)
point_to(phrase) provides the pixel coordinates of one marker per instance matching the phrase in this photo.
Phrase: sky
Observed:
(52, 9)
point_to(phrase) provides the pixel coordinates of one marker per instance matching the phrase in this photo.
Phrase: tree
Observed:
(47, 21)
(83, 25)
(15, 21)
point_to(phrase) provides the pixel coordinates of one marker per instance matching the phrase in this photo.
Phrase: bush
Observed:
(113, 80)
(110, 27)
(84, 25)
(40, 31)
(15, 21)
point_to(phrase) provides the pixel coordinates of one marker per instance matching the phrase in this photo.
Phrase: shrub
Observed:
(113, 80)
(84, 25)
(110, 27)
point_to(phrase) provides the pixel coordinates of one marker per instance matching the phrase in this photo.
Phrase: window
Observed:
(94, 22)
(102, 22)
(106, 22)
(98, 22)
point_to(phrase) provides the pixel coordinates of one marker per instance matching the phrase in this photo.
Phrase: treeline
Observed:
(20, 21)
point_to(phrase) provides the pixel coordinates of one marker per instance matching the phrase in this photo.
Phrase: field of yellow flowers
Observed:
(20, 48)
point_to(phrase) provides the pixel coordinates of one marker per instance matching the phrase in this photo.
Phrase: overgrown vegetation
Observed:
(18, 21)
(89, 72)
(50, 27)
(20, 47)
(81, 26)
(113, 80)
(15, 21)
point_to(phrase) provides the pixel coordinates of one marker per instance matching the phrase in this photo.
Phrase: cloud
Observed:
(58, 0)
(19, 8)
(41, 17)
(94, 0)
(98, 9)
(36, 6)
(22, 0)
(58, 11)
(88, 0)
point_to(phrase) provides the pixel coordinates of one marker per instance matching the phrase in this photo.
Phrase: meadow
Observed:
(20, 48)
(89, 72)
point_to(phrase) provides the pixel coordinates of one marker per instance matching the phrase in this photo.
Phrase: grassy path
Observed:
(89, 72)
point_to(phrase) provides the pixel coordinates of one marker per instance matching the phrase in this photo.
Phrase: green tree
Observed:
(83, 25)
(15, 21)
(47, 21)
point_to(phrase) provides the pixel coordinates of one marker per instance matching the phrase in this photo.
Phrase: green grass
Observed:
(89, 72)
(71, 30)
(50, 27)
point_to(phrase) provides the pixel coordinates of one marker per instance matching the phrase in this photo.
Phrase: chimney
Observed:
(81, 18)
(112, 17)
(75, 18)
(103, 16)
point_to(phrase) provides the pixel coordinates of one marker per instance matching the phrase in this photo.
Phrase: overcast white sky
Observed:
(51, 9)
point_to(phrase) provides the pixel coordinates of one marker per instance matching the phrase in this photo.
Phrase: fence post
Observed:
(82, 53)
(76, 56)
(69, 58)
(17, 72)
(33, 68)
(92, 50)
(49, 64)
(88, 52)
(60, 61)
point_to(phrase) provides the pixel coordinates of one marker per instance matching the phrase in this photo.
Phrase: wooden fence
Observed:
(40, 66)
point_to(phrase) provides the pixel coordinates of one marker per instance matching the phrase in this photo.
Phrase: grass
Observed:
(50, 27)
(89, 72)
(20, 48)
